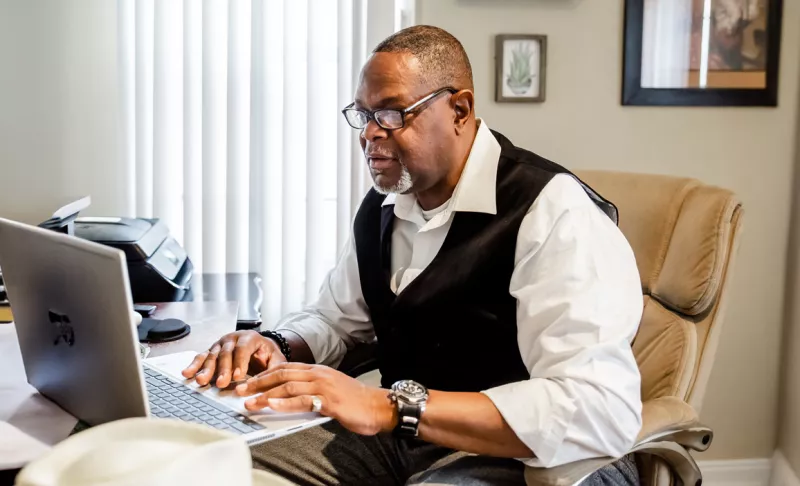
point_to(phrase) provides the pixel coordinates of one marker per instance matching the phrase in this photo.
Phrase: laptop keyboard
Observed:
(171, 399)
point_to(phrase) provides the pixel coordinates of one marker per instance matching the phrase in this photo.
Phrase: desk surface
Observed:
(208, 320)
(32, 414)
(244, 288)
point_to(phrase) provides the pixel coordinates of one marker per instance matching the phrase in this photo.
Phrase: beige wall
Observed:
(789, 416)
(60, 108)
(582, 125)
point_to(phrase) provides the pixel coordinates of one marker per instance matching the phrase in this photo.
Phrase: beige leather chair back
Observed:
(684, 234)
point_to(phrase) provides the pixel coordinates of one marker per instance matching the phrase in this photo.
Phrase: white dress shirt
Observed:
(579, 303)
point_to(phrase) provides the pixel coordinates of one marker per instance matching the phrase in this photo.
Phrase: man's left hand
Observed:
(289, 387)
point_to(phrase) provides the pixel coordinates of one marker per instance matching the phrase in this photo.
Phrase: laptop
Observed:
(72, 310)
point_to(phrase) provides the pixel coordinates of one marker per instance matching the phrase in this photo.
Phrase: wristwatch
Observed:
(410, 398)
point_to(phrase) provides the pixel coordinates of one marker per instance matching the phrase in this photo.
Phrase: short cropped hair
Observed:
(443, 59)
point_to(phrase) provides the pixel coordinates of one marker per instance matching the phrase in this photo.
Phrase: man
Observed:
(490, 276)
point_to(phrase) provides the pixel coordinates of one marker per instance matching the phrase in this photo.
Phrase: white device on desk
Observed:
(80, 348)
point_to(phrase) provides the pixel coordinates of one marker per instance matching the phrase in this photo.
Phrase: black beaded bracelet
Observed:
(282, 343)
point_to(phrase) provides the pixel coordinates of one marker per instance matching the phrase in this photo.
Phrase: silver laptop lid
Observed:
(72, 311)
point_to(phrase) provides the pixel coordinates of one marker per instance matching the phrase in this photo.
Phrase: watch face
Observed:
(411, 389)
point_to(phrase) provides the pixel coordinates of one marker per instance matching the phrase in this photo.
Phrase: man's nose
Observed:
(373, 131)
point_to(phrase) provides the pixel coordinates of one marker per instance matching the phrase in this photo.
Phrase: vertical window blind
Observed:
(233, 134)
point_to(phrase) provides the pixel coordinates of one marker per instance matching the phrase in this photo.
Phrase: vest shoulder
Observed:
(520, 166)
(527, 160)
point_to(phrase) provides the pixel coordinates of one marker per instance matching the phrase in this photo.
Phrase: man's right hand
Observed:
(233, 356)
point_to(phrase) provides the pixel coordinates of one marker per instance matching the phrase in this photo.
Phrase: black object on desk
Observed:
(145, 310)
(159, 268)
(3, 294)
(224, 287)
(8, 476)
(162, 330)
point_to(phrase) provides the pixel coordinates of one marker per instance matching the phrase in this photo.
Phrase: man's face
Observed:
(416, 157)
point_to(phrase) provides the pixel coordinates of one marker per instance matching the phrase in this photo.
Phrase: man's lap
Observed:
(460, 468)
(330, 454)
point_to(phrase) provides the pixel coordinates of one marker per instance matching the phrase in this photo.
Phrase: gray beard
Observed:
(402, 186)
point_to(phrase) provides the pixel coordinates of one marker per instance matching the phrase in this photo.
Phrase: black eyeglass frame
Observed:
(372, 115)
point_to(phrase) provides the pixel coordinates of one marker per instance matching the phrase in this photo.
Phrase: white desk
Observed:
(29, 423)
(37, 423)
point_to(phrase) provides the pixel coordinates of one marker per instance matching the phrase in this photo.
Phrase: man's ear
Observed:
(464, 105)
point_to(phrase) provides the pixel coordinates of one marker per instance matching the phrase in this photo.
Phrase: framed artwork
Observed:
(520, 61)
(701, 52)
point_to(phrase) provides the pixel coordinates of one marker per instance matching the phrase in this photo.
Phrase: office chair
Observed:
(685, 236)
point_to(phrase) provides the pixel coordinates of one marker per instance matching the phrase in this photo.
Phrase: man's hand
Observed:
(233, 356)
(288, 387)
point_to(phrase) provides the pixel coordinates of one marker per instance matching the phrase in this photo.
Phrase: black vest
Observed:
(454, 327)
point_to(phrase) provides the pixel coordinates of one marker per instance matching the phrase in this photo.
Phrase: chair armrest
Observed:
(669, 427)
(670, 419)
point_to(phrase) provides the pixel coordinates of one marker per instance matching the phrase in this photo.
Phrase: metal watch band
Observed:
(408, 415)
(281, 341)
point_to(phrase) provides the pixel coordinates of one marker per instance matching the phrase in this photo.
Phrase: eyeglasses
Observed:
(387, 119)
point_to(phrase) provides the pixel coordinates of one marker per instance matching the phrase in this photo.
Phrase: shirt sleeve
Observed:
(579, 303)
(339, 317)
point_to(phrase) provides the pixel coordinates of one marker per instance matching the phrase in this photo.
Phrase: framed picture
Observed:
(520, 61)
(702, 52)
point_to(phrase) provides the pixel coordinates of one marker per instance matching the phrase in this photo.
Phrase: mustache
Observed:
(382, 154)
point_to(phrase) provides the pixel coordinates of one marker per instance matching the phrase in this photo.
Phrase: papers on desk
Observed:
(29, 423)
(18, 448)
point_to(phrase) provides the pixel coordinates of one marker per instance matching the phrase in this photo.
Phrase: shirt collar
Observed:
(476, 188)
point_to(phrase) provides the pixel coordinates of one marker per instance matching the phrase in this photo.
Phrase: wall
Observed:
(583, 126)
(789, 415)
(59, 107)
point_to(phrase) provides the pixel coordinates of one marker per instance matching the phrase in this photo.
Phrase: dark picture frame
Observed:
(633, 94)
(505, 92)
